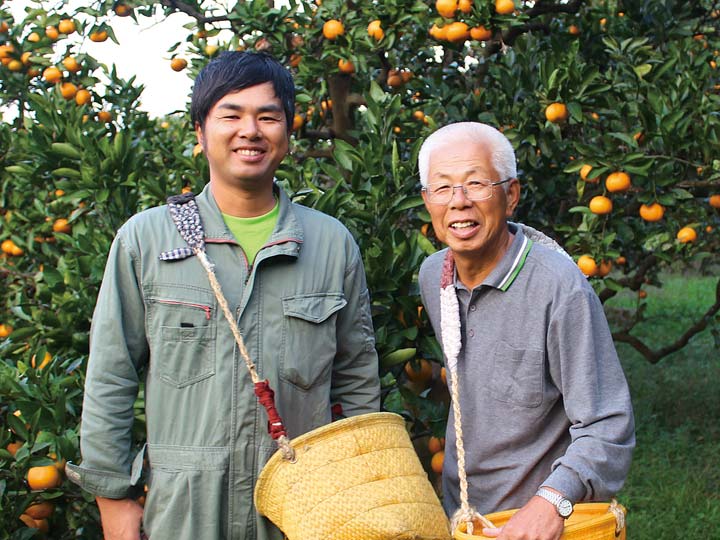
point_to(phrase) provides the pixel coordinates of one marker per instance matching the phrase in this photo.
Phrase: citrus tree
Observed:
(612, 107)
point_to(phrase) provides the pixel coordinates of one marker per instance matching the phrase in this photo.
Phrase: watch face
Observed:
(565, 508)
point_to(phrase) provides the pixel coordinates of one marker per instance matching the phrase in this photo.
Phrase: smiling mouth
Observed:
(246, 152)
(463, 224)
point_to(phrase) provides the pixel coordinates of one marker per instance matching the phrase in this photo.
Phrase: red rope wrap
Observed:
(447, 277)
(266, 397)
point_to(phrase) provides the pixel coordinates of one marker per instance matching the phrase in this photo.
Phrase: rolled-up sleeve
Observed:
(118, 350)
(585, 367)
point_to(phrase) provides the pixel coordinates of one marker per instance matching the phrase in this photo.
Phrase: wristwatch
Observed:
(563, 506)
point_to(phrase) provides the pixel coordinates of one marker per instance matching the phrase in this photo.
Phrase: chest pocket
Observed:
(517, 375)
(309, 340)
(181, 323)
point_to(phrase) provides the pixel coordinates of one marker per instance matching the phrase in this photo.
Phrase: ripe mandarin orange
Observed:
(420, 371)
(178, 64)
(617, 182)
(52, 74)
(436, 463)
(714, 200)
(504, 7)
(83, 97)
(44, 477)
(556, 113)
(446, 8)
(686, 235)
(332, 29)
(587, 265)
(600, 205)
(435, 444)
(652, 212)
(457, 31)
(375, 30)
(346, 66)
(480, 33)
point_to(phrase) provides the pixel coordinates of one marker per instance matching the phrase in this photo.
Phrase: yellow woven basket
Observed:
(355, 479)
(589, 521)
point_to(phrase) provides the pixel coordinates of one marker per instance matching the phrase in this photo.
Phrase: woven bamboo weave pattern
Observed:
(356, 479)
(589, 521)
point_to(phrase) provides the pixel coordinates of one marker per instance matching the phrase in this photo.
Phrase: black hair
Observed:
(233, 71)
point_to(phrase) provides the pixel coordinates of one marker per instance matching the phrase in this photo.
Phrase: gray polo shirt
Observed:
(543, 397)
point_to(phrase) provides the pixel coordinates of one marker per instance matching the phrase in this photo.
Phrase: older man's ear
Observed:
(512, 196)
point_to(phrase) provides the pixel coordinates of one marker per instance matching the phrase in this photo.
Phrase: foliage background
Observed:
(640, 82)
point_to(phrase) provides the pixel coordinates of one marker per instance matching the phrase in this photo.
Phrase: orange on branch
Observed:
(652, 212)
(68, 90)
(375, 30)
(45, 361)
(52, 74)
(71, 64)
(600, 205)
(298, 122)
(686, 235)
(504, 7)
(5, 330)
(66, 26)
(587, 265)
(714, 201)
(436, 463)
(346, 66)
(99, 36)
(83, 97)
(13, 447)
(446, 8)
(332, 29)
(604, 268)
(420, 371)
(585, 171)
(61, 225)
(465, 6)
(435, 444)
(40, 510)
(178, 64)
(105, 116)
(52, 32)
(617, 182)
(480, 33)
(556, 113)
(457, 31)
(44, 477)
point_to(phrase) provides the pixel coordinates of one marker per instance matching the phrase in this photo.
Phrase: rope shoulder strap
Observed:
(186, 217)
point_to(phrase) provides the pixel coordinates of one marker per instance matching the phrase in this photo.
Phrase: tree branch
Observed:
(194, 13)
(633, 282)
(655, 356)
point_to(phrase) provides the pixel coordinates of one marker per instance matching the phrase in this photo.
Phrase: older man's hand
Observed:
(537, 520)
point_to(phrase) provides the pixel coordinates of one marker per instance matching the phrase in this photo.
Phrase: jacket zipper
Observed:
(206, 309)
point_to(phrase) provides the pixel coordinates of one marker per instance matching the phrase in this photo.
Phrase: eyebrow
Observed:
(467, 172)
(265, 108)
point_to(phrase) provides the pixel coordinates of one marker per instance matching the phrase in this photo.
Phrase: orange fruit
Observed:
(295, 60)
(7, 246)
(600, 205)
(457, 31)
(15, 65)
(4, 27)
(435, 444)
(332, 29)
(211, 49)
(446, 8)
(504, 7)
(642, 294)
(652, 212)
(639, 136)
(13, 447)
(617, 181)
(99, 36)
(709, 229)
(6, 50)
(83, 97)
(66, 26)
(46, 360)
(438, 32)
(17, 251)
(587, 265)
(197, 150)
(604, 268)
(71, 64)
(620, 260)
(436, 463)
(573, 30)
(585, 171)
(40, 510)
(178, 64)
(397, 130)
(419, 115)
(556, 113)
(34, 37)
(686, 234)
(480, 33)
(420, 371)
(394, 79)
(375, 30)
(105, 116)
(443, 375)
(52, 75)
(465, 6)
(68, 90)
(45, 477)
(186, 189)
(122, 10)
(62, 225)
(5, 330)
(52, 32)
(298, 122)
(714, 200)
(346, 66)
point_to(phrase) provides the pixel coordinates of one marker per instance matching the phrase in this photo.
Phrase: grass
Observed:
(673, 490)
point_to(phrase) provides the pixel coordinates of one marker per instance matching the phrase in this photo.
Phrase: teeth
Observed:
(248, 152)
(462, 224)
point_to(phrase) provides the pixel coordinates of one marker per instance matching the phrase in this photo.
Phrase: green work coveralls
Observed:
(304, 312)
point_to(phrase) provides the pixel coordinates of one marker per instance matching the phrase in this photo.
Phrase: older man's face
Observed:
(472, 229)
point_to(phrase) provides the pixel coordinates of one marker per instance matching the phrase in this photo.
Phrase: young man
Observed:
(546, 414)
(293, 279)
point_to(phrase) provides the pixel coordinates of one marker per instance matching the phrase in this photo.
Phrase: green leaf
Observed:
(642, 70)
(399, 356)
(66, 150)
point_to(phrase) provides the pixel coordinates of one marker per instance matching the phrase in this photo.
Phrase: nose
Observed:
(461, 200)
(249, 128)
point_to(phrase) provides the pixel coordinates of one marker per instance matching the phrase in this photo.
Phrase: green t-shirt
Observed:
(252, 233)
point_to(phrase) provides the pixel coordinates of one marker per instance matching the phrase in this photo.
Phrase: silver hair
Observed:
(502, 153)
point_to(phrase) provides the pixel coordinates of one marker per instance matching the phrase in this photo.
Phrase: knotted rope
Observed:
(186, 215)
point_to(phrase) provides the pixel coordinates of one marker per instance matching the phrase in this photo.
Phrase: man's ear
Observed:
(199, 134)
(512, 196)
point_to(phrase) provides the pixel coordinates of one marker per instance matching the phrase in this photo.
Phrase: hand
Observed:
(121, 518)
(537, 520)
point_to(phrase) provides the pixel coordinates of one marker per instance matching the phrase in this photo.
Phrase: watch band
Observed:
(563, 506)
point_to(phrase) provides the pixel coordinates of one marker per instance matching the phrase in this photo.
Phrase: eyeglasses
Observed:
(474, 190)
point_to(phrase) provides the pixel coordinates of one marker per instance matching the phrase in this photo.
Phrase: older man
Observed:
(546, 413)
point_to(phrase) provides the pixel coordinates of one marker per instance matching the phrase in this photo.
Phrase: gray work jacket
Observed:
(303, 309)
